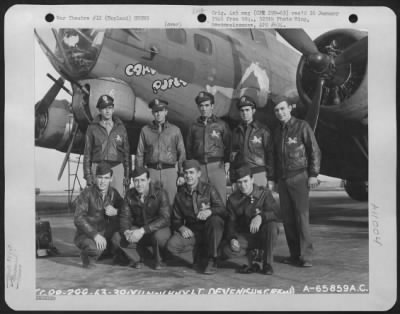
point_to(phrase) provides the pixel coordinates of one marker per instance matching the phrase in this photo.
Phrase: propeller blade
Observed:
(299, 39)
(355, 53)
(62, 85)
(71, 144)
(313, 111)
(51, 94)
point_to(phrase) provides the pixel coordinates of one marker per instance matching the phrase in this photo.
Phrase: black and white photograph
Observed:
(233, 155)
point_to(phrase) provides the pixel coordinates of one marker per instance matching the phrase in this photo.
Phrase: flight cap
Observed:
(191, 163)
(158, 104)
(281, 98)
(242, 171)
(105, 101)
(103, 168)
(204, 96)
(138, 171)
(246, 101)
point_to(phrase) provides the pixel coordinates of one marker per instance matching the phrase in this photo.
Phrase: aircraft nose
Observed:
(72, 51)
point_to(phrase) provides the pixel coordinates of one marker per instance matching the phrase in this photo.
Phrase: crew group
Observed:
(178, 202)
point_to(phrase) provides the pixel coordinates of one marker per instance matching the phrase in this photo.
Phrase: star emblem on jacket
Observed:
(215, 134)
(205, 206)
(292, 140)
(256, 140)
(118, 138)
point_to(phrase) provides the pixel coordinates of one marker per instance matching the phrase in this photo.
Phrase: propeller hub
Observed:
(320, 63)
(41, 120)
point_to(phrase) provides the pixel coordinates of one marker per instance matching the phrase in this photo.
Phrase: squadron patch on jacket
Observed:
(215, 134)
(256, 140)
(118, 138)
(292, 140)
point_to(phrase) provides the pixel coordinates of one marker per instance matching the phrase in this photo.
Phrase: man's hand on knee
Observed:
(235, 245)
(255, 224)
(186, 232)
(137, 235)
(101, 242)
(204, 214)
(111, 210)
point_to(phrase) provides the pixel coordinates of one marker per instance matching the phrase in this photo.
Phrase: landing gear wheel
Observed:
(357, 190)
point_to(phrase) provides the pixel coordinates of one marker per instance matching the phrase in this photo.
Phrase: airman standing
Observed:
(252, 144)
(107, 140)
(298, 163)
(209, 141)
(161, 149)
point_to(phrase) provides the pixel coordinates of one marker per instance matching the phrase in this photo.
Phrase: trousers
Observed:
(206, 240)
(295, 205)
(165, 178)
(214, 173)
(88, 246)
(264, 239)
(136, 251)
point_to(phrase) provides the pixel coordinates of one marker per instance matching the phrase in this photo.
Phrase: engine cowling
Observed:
(54, 126)
(345, 83)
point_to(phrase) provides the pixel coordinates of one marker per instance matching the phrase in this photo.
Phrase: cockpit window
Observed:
(74, 51)
(80, 46)
(177, 35)
(202, 44)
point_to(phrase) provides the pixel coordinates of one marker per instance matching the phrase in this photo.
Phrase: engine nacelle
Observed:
(84, 106)
(53, 127)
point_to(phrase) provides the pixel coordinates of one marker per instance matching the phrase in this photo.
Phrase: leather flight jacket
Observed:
(243, 208)
(208, 140)
(253, 146)
(90, 218)
(160, 147)
(187, 204)
(101, 146)
(296, 149)
(152, 214)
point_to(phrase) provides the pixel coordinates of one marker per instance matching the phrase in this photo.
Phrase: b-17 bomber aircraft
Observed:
(327, 82)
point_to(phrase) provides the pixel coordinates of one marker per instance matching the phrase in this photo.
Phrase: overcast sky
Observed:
(48, 161)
